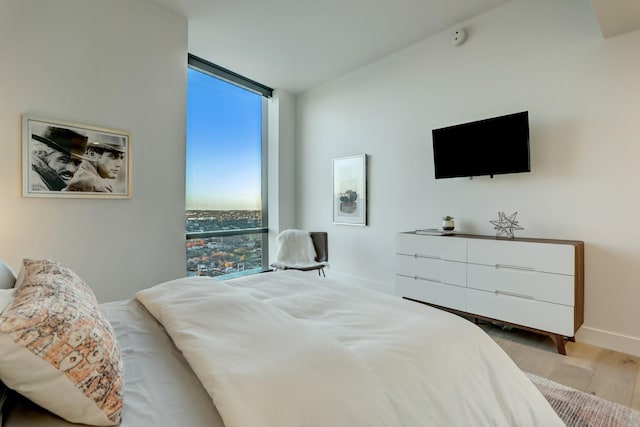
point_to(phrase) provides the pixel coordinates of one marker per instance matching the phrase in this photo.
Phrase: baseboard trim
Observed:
(611, 340)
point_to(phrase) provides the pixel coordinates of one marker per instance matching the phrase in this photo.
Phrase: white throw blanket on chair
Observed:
(295, 249)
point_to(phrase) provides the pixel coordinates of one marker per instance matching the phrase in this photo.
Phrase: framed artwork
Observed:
(350, 190)
(63, 159)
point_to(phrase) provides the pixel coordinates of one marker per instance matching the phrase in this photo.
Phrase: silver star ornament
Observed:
(505, 225)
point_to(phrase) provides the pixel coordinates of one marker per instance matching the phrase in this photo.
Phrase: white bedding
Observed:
(291, 349)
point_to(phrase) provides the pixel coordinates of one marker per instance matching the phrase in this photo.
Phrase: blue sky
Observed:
(223, 145)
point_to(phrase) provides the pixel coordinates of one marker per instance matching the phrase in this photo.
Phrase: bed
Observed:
(294, 349)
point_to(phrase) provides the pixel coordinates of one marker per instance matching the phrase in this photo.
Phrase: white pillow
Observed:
(6, 296)
(7, 276)
(20, 278)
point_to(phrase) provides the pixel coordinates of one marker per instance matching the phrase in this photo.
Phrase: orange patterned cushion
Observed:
(58, 349)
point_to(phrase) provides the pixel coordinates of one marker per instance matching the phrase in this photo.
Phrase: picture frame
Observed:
(350, 190)
(70, 160)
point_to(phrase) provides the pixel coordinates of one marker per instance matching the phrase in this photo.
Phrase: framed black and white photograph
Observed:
(63, 159)
(350, 190)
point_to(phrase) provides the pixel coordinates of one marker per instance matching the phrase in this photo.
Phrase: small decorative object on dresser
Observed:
(505, 225)
(435, 232)
(448, 223)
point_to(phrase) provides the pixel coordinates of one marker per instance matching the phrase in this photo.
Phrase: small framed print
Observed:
(350, 190)
(63, 159)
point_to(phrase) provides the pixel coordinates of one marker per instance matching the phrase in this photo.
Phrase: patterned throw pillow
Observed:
(57, 348)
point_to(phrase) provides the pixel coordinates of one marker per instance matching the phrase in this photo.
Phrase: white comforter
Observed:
(291, 349)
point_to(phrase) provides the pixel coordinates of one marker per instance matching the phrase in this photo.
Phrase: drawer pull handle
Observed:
(427, 256)
(419, 278)
(429, 279)
(513, 294)
(514, 267)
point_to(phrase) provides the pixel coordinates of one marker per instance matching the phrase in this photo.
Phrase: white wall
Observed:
(281, 167)
(583, 97)
(118, 64)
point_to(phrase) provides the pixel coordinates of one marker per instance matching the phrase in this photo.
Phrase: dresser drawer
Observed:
(555, 288)
(544, 257)
(544, 316)
(432, 292)
(436, 247)
(435, 270)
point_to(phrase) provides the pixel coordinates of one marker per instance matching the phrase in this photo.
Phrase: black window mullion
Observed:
(229, 76)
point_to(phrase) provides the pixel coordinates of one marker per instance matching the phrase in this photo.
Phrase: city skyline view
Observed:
(223, 256)
(223, 157)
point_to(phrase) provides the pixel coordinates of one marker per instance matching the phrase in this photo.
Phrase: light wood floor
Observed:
(606, 373)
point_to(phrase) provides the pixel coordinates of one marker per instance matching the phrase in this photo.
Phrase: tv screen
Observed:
(486, 147)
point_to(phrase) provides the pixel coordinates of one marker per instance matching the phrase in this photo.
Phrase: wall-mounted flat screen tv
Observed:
(494, 146)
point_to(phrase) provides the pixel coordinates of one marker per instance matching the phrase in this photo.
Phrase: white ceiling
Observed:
(617, 17)
(297, 44)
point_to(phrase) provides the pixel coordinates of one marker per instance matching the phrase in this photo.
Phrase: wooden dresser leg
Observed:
(560, 344)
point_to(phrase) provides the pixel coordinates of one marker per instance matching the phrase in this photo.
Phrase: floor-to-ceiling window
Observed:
(226, 198)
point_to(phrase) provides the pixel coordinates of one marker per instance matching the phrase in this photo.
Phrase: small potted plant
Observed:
(448, 223)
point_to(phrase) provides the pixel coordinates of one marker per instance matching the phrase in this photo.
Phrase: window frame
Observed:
(266, 92)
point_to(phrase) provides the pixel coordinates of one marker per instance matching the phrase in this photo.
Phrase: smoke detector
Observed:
(458, 37)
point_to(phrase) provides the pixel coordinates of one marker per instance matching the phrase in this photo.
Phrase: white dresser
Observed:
(535, 284)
